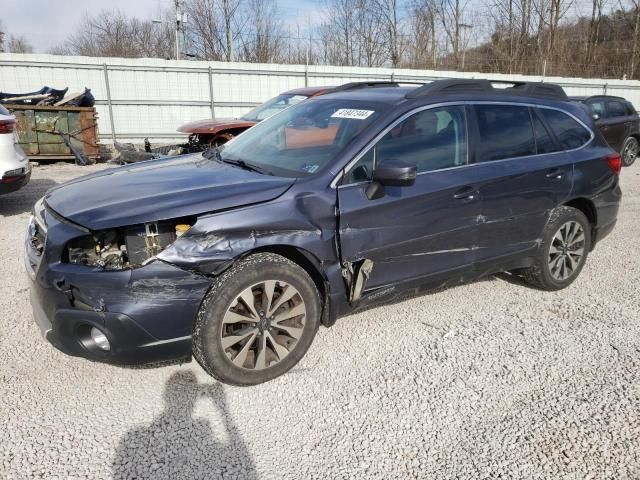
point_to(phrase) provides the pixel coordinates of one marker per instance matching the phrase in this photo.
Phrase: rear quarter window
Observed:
(569, 133)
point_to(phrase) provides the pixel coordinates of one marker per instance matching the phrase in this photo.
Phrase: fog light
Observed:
(100, 339)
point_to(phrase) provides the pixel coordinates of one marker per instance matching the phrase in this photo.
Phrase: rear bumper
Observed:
(607, 206)
(14, 185)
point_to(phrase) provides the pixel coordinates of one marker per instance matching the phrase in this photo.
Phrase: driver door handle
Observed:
(555, 174)
(466, 193)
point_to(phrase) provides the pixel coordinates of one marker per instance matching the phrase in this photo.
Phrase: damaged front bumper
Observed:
(146, 314)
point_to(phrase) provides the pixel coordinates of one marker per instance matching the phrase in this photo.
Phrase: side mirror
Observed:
(595, 116)
(395, 173)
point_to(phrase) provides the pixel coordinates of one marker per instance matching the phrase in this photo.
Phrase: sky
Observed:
(47, 23)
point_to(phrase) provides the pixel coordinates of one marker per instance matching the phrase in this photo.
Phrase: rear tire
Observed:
(257, 321)
(566, 240)
(630, 151)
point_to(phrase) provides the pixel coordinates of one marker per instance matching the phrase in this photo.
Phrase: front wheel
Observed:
(566, 241)
(257, 321)
(630, 151)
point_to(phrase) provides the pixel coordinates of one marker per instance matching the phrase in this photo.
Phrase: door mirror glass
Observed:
(395, 173)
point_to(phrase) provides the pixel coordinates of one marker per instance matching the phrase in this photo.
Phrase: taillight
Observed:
(614, 161)
(7, 126)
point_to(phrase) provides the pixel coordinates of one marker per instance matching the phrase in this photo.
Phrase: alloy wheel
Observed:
(566, 250)
(263, 325)
(631, 151)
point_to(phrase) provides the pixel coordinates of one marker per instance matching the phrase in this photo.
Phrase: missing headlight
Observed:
(128, 247)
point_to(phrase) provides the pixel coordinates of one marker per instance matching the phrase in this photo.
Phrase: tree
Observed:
(424, 50)
(18, 45)
(390, 19)
(114, 34)
(263, 42)
(214, 27)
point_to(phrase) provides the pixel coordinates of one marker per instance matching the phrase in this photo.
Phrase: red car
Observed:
(215, 132)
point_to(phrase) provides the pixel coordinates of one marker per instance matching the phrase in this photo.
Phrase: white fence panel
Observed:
(153, 97)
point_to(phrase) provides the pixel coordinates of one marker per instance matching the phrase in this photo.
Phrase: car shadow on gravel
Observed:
(22, 201)
(177, 445)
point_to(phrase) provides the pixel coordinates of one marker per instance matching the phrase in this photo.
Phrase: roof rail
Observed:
(538, 89)
(372, 84)
(450, 85)
(465, 85)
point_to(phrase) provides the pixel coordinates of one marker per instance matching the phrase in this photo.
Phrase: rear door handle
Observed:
(465, 193)
(555, 173)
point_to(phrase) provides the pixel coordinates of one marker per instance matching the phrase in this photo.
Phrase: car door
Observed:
(616, 124)
(521, 175)
(415, 231)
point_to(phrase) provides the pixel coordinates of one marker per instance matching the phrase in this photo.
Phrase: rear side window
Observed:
(505, 132)
(569, 133)
(616, 109)
(629, 109)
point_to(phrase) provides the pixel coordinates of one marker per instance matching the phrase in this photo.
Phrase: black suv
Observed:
(238, 255)
(618, 122)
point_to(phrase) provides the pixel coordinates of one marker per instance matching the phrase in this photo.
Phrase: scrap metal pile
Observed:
(50, 96)
(55, 125)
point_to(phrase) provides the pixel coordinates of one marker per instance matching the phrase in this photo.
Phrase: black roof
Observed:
(584, 98)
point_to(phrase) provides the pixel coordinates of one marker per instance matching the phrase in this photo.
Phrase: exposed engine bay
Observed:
(128, 247)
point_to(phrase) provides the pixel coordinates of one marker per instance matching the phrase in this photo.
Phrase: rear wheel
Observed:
(566, 240)
(630, 151)
(257, 321)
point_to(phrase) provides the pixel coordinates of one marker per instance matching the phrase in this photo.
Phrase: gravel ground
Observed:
(491, 379)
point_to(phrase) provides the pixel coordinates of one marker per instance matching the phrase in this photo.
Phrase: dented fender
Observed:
(305, 221)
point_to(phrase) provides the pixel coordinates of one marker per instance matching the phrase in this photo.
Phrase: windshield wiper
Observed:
(214, 153)
(243, 164)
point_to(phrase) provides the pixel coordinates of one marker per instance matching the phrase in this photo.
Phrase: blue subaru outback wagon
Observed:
(237, 256)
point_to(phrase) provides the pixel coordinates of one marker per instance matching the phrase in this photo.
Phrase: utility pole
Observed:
(179, 21)
(465, 40)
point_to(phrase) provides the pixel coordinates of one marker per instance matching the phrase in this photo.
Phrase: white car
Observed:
(15, 170)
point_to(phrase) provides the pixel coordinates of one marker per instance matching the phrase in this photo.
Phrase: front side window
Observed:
(569, 133)
(305, 138)
(597, 107)
(505, 132)
(432, 139)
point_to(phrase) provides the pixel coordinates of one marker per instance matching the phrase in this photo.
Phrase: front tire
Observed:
(257, 321)
(566, 240)
(630, 151)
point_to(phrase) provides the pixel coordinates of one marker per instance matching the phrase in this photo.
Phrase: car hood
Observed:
(212, 125)
(160, 190)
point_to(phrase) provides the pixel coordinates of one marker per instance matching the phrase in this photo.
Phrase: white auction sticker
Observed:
(352, 113)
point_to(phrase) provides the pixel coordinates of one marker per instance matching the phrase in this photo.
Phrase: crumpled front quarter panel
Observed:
(301, 219)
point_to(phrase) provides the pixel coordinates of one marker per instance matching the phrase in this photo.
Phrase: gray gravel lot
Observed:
(491, 379)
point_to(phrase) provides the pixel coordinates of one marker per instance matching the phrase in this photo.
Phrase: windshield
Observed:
(273, 106)
(304, 139)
